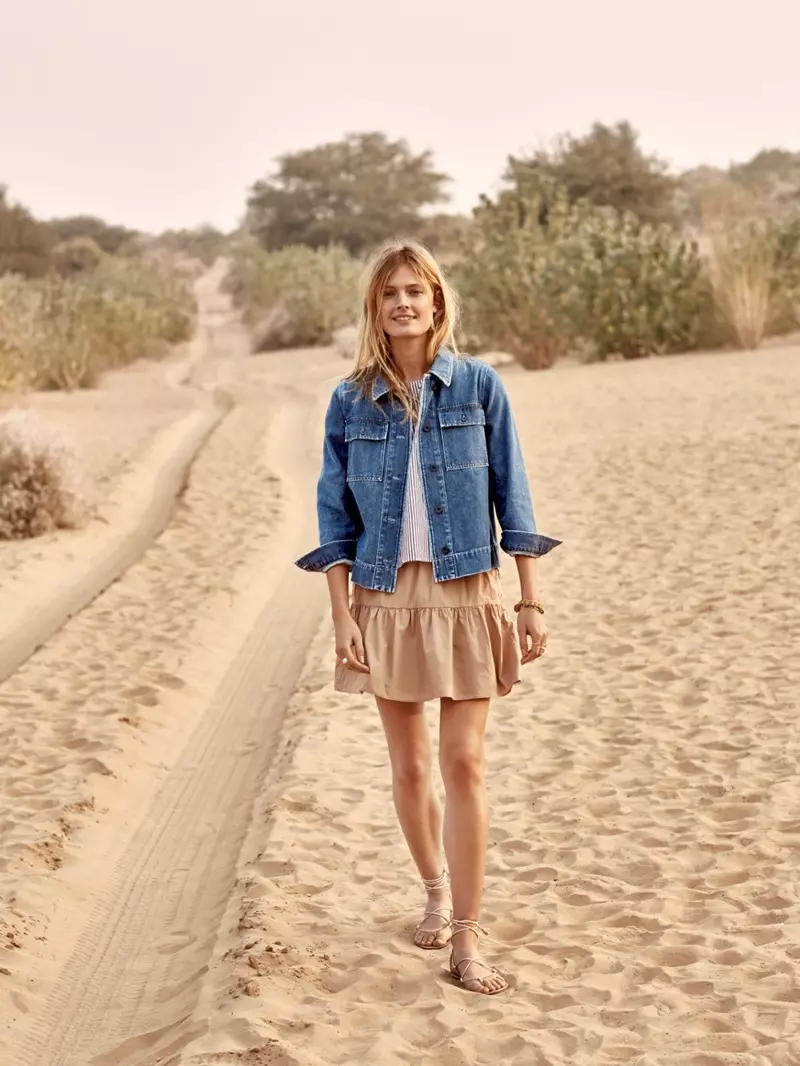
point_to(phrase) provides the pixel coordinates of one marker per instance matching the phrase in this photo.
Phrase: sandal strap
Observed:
(432, 883)
(462, 925)
(444, 914)
(463, 974)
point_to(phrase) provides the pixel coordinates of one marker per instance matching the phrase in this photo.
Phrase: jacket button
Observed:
(426, 429)
(438, 509)
(432, 468)
(445, 550)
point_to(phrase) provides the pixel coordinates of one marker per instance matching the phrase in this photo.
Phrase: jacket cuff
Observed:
(327, 555)
(518, 542)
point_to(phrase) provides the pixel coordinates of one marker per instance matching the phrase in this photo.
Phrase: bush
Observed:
(308, 292)
(546, 275)
(785, 294)
(504, 283)
(627, 287)
(205, 243)
(60, 333)
(76, 255)
(39, 486)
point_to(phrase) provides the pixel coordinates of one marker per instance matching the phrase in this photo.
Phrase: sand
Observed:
(200, 859)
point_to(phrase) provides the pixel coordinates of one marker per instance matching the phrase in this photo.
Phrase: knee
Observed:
(462, 769)
(412, 771)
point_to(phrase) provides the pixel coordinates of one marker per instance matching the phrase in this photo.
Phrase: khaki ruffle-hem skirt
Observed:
(430, 639)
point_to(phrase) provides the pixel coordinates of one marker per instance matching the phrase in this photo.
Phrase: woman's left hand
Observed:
(532, 631)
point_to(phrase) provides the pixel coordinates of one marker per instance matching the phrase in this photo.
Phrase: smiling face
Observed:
(407, 305)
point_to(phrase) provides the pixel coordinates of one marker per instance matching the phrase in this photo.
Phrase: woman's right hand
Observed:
(350, 645)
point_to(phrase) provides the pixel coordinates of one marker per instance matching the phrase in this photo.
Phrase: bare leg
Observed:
(417, 805)
(466, 826)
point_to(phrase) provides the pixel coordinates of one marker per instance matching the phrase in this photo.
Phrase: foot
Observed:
(434, 931)
(468, 967)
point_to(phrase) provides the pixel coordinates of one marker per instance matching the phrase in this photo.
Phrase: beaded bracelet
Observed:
(529, 603)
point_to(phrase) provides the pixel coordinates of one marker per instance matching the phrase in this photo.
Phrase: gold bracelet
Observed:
(529, 603)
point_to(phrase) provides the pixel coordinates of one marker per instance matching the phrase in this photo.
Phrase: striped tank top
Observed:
(415, 543)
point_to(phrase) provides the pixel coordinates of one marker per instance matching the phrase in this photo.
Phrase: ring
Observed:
(344, 662)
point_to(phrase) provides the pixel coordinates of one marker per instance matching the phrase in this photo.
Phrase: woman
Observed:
(420, 455)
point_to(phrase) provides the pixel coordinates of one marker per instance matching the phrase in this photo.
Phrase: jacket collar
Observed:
(442, 368)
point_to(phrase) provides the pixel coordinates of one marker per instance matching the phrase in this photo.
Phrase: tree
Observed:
(25, 243)
(355, 192)
(107, 237)
(773, 175)
(537, 283)
(607, 167)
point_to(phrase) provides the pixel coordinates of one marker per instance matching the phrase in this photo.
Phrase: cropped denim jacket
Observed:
(472, 466)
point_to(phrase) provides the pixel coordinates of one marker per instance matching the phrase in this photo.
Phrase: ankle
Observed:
(437, 895)
(466, 931)
(464, 940)
(437, 884)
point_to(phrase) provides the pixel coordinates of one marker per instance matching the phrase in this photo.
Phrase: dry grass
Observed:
(60, 333)
(741, 264)
(741, 267)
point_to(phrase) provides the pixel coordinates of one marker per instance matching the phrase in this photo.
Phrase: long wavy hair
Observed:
(373, 350)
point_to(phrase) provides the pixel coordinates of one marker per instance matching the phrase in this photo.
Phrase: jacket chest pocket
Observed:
(366, 450)
(463, 436)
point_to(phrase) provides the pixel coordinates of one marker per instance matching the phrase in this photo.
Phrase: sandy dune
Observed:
(200, 862)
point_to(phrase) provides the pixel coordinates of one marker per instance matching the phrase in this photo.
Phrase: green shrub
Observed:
(76, 255)
(544, 275)
(295, 297)
(505, 285)
(627, 287)
(785, 295)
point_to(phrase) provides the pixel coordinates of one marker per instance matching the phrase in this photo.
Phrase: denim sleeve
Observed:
(337, 513)
(509, 482)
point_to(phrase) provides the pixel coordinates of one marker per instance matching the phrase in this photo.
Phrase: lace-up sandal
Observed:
(441, 936)
(460, 970)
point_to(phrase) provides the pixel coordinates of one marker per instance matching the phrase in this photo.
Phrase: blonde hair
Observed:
(373, 350)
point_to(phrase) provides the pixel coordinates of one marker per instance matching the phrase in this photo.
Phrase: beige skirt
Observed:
(430, 639)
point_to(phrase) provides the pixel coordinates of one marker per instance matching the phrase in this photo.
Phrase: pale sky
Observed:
(161, 113)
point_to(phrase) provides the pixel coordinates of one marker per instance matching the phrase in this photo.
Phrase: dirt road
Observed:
(139, 737)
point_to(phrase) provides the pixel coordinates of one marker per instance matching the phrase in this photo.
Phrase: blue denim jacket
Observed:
(472, 471)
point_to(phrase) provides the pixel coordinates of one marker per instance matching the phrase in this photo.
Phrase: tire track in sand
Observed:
(127, 993)
(128, 973)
